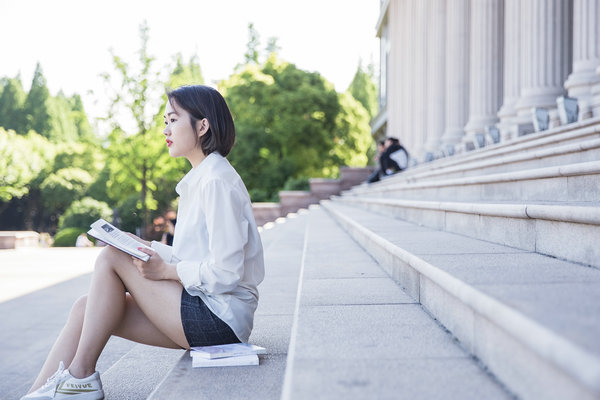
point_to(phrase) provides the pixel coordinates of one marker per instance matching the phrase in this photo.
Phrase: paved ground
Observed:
(26, 270)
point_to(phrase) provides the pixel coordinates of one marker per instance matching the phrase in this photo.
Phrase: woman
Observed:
(201, 291)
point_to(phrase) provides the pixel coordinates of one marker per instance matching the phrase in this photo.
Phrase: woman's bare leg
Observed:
(150, 315)
(65, 345)
(106, 309)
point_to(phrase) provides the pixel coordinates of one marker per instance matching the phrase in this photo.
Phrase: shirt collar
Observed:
(195, 174)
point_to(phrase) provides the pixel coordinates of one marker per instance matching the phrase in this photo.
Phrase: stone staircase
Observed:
(471, 277)
(501, 247)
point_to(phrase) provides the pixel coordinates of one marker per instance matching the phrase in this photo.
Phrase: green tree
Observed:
(364, 89)
(62, 126)
(138, 161)
(82, 213)
(272, 46)
(22, 158)
(80, 120)
(63, 187)
(12, 99)
(252, 53)
(37, 104)
(353, 133)
(285, 123)
(184, 74)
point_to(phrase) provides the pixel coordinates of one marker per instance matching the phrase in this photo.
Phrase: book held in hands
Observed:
(226, 355)
(118, 239)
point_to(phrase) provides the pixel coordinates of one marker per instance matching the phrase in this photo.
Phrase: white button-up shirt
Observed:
(217, 246)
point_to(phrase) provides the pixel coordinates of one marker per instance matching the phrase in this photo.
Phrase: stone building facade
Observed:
(460, 74)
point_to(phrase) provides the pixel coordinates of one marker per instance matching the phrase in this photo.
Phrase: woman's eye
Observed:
(173, 120)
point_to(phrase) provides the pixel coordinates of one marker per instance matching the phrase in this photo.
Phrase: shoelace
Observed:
(52, 380)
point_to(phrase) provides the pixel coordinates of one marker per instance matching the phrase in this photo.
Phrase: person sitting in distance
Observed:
(394, 158)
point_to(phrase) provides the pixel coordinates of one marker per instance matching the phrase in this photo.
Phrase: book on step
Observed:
(116, 238)
(226, 350)
(236, 361)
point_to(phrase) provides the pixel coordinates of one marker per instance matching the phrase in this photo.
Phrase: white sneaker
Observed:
(62, 385)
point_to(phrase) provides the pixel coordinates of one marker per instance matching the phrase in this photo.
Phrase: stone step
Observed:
(580, 145)
(358, 335)
(572, 133)
(532, 320)
(563, 230)
(578, 182)
(138, 372)
(282, 245)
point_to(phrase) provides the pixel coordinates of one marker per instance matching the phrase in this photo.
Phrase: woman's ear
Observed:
(202, 127)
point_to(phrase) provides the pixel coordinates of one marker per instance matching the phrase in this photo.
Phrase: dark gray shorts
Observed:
(201, 326)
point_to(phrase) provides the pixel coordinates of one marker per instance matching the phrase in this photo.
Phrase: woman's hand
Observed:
(155, 268)
(131, 235)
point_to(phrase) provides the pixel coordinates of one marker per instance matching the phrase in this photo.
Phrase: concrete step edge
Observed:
(146, 375)
(588, 214)
(561, 171)
(566, 356)
(289, 369)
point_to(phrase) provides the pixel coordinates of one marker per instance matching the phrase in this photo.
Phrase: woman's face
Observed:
(180, 135)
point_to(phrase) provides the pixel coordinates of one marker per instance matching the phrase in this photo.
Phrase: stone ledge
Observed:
(572, 148)
(562, 213)
(578, 169)
(17, 239)
(575, 131)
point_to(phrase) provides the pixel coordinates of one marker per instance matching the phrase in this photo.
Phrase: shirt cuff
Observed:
(188, 272)
(164, 251)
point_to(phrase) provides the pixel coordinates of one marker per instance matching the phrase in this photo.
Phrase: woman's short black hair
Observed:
(205, 102)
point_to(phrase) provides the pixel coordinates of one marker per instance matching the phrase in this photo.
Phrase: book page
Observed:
(113, 236)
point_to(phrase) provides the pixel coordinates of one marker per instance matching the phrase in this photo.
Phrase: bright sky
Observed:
(71, 38)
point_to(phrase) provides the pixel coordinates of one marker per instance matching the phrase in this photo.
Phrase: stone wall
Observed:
(290, 201)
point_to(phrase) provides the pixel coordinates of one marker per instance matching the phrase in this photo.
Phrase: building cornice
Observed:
(383, 13)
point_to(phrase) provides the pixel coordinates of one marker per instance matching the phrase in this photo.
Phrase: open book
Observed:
(116, 238)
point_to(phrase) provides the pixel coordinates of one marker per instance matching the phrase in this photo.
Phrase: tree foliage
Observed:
(138, 161)
(37, 104)
(364, 89)
(82, 213)
(64, 186)
(12, 115)
(290, 124)
(252, 47)
(22, 158)
(58, 118)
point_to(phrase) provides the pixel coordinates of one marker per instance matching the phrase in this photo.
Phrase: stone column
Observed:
(485, 85)
(586, 53)
(420, 77)
(512, 67)
(436, 76)
(457, 73)
(408, 138)
(596, 99)
(545, 56)
(393, 94)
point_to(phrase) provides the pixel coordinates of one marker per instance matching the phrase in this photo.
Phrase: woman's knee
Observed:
(109, 258)
(78, 310)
